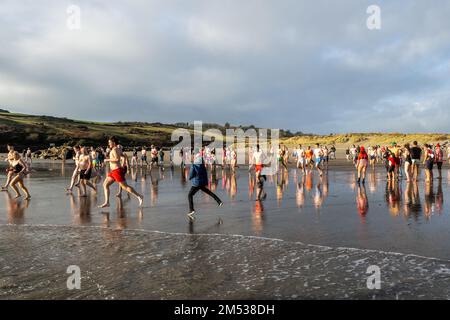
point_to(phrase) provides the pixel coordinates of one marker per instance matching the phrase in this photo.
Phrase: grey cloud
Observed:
(304, 65)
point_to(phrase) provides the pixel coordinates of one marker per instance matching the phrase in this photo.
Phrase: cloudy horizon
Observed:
(307, 66)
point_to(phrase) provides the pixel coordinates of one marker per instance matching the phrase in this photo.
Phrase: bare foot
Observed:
(105, 205)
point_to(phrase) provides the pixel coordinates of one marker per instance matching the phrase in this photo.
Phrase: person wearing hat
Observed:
(199, 179)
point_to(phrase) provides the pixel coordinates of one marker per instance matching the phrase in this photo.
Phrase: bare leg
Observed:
(131, 190)
(83, 188)
(8, 180)
(24, 189)
(13, 183)
(91, 185)
(108, 182)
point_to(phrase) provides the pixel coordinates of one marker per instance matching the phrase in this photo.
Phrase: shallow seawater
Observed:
(332, 211)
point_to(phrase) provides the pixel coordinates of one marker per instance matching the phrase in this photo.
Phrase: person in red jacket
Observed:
(361, 164)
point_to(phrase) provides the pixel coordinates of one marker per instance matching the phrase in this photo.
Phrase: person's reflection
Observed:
(154, 189)
(325, 186)
(121, 221)
(393, 197)
(133, 172)
(16, 209)
(318, 195)
(258, 218)
(412, 205)
(81, 211)
(362, 202)
(300, 194)
(224, 179)
(63, 169)
(143, 172)
(233, 185)
(184, 176)
(309, 181)
(172, 172)
(213, 181)
(260, 192)
(281, 180)
(251, 185)
(439, 198)
(372, 182)
(429, 205)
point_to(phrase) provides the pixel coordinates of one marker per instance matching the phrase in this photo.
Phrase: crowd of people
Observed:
(111, 164)
(400, 161)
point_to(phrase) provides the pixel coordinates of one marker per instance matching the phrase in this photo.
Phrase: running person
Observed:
(9, 173)
(199, 179)
(301, 158)
(117, 174)
(318, 156)
(154, 156)
(19, 170)
(143, 156)
(85, 167)
(134, 158)
(76, 173)
(258, 158)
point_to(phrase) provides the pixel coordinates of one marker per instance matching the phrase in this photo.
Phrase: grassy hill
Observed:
(39, 132)
(367, 139)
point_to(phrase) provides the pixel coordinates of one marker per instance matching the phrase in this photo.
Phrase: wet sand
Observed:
(129, 264)
(311, 238)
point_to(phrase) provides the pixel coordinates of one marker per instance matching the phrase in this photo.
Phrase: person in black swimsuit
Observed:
(19, 169)
(408, 161)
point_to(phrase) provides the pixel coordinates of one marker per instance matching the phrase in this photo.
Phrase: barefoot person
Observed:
(125, 165)
(439, 159)
(199, 179)
(301, 158)
(76, 171)
(318, 156)
(18, 169)
(361, 164)
(117, 173)
(258, 159)
(428, 162)
(9, 173)
(408, 161)
(416, 155)
(85, 166)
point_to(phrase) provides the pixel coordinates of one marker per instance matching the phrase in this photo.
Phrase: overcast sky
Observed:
(311, 66)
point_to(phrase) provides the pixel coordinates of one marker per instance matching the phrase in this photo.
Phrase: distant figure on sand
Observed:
(117, 173)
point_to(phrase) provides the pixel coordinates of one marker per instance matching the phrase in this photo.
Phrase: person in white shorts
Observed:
(301, 158)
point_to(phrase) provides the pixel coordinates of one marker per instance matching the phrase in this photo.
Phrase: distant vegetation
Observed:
(367, 139)
(39, 132)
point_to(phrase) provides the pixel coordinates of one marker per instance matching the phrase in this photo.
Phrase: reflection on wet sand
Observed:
(410, 200)
(16, 208)
(362, 202)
